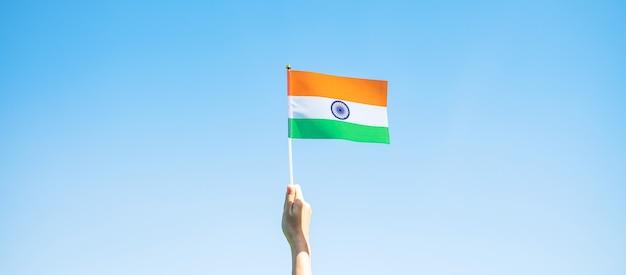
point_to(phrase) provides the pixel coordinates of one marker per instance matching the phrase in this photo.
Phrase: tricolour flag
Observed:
(323, 106)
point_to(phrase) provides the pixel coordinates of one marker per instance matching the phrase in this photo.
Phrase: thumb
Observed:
(290, 197)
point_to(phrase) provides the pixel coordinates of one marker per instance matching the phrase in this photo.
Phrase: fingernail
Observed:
(289, 190)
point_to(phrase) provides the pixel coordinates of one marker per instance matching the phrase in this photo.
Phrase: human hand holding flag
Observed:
(295, 224)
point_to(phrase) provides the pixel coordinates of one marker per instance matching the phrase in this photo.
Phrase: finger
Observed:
(296, 208)
(289, 198)
(299, 194)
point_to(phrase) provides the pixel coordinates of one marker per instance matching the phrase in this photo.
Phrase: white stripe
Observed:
(319, 107)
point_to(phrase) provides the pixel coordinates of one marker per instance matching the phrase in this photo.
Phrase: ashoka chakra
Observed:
(340, 110)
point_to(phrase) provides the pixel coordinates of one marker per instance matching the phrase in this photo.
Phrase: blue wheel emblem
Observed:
(340, 110)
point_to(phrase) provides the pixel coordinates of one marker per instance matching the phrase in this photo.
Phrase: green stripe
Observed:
(335, 129)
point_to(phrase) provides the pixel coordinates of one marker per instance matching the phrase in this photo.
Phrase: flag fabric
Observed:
(323, 106)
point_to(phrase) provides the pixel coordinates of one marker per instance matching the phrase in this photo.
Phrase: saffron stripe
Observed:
(366, 91)
(334, 129)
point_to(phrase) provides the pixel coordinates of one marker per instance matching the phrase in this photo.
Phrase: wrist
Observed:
(300, 246)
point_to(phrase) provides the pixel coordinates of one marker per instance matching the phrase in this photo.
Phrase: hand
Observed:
(296, 220)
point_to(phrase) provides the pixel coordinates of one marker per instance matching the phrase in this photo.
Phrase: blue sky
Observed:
(147, 137)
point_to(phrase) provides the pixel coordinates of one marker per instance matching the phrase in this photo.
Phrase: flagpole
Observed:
(290, 163)
(288, 67)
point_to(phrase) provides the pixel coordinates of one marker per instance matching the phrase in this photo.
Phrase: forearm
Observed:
(301, 261)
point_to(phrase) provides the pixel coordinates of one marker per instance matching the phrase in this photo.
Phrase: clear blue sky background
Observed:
(146, 137)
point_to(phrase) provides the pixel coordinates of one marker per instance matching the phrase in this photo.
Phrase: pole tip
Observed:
(288, 67)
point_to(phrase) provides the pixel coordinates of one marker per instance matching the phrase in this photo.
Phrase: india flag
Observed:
(332, 107)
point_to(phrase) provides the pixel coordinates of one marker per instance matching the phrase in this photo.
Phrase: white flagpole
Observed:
(290, 164)
(288, 138)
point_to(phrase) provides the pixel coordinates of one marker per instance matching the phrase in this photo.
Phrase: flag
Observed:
(323, 106)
